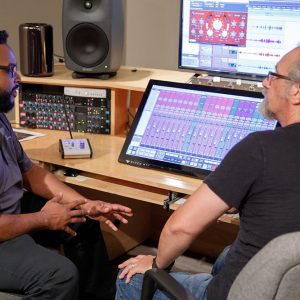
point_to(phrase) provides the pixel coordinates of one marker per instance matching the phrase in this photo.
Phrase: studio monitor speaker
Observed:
(93, 34)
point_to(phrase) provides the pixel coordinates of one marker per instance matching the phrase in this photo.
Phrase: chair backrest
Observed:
(272, 274)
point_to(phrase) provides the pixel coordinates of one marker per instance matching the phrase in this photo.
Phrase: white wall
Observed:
(152, 33)
(15, 12)
(151, 28)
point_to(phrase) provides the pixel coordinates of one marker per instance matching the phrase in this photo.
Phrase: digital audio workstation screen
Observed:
(185, 127)
(237, 36)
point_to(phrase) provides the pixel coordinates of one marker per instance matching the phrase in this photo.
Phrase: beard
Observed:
(264, 108)
(7, 100)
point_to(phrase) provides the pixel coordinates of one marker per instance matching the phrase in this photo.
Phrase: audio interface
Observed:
(57, 108)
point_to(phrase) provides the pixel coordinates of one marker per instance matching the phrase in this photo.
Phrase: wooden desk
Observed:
(127, 86)
(103, 173)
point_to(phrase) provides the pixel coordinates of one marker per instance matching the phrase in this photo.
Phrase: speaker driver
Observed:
(87, 45)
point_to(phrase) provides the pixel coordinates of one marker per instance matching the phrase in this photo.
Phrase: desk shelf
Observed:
(116, 187)
(126, 88)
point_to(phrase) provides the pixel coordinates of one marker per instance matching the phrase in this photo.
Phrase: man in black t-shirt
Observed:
(259, 177)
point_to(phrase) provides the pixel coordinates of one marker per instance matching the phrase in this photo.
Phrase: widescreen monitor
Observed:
(238, 39)
(189, 128)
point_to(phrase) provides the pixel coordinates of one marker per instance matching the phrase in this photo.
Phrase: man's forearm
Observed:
(171, 245)
(12, 226)
(45, 184)
(201, 209)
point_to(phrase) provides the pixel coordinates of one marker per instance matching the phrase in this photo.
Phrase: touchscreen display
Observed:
(190, 128)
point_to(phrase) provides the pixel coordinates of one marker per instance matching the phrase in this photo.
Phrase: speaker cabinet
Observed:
(93, 35)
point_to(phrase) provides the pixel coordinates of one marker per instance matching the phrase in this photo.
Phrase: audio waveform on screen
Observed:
(259, 67)
(265, 54)
(266, 41)
(268, 27)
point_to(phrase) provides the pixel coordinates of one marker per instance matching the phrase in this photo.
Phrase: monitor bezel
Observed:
(166, 166)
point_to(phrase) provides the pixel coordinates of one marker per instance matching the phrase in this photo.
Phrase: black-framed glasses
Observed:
(11, 69)
(272, 75)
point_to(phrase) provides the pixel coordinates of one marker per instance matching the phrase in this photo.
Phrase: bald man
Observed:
(259, 177)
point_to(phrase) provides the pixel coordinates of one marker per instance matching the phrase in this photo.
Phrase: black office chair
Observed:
(272, 274)
(157, 278)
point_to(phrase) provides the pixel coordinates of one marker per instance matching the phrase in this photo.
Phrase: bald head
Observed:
(291, 63)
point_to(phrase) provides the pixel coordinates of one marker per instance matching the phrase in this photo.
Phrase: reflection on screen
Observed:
(194, 128)
(237, 36)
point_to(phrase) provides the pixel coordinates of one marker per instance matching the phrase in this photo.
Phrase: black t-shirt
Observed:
(13, 162)
(260, 176)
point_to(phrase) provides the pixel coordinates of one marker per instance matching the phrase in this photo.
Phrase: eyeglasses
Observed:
(273, 75)
(11, 69)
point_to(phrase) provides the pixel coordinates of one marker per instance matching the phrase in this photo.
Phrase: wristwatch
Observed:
(168, 268)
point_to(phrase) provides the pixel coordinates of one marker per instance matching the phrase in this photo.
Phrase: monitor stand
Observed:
(102, 76)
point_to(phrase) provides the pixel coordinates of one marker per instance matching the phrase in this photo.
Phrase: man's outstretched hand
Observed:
(107, 212)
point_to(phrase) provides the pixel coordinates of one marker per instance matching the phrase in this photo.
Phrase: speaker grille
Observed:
(87, 45)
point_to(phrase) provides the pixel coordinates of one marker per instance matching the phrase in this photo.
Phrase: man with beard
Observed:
(27, 219)
(259, 176)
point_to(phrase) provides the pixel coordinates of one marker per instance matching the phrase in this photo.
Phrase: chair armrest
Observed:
(154, 278)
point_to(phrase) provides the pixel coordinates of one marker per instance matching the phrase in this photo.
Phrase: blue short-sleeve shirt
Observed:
(13, 162)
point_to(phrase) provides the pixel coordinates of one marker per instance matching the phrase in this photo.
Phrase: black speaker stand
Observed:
(103, 76)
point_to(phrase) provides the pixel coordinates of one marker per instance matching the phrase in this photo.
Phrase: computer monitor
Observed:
(189, 128)
(237, 38)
